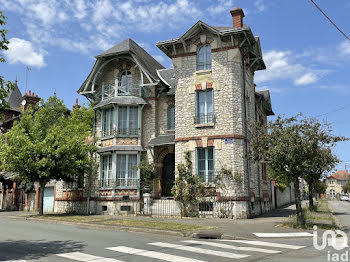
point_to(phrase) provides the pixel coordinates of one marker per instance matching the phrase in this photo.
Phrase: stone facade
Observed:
(235, 55)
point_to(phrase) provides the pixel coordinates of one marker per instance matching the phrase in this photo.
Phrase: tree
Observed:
(5, 86)
(320, 187)
(49, 143)
(346, 187)
(188, 188)
(292, 147)
(321, 161)
(147, 173)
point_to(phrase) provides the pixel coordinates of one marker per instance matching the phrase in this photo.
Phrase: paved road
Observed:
(341, 210)
(22, 240)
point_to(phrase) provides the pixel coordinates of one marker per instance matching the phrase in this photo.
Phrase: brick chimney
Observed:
(31, 99)
(76, 104)
(237, 17)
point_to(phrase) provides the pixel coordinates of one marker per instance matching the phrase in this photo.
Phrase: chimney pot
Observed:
(30, 93)
(76, 101)
(237, 17)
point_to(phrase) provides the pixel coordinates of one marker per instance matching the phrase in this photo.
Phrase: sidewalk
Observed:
(240, 228)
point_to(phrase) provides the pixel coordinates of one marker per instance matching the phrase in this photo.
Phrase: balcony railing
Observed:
(110, 90)
(121, 132)
(205, 119)
(119, 182)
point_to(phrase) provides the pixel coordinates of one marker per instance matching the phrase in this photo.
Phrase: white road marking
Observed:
(152, 254)
(15, 261)
(199, 250)
(261, 243)
(296, 234)
(214, 244)
(78, 256)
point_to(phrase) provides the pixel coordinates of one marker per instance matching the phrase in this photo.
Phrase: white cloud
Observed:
(306, 79)
(260, 5)
(344, 47)
(22, 51)
(282, 65)
(92, 25)
(80, 9)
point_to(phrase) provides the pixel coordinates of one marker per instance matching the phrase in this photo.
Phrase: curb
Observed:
(99, 226)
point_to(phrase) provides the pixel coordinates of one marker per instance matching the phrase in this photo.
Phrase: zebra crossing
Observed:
(229, 249)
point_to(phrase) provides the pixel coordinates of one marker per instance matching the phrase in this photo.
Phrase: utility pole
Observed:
(346, 166)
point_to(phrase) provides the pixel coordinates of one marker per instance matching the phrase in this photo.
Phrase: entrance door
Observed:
(168, 176)
(48, 199)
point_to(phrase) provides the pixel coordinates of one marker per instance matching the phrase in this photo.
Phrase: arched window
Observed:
(204, 57)
(171, 117)
(125, 81)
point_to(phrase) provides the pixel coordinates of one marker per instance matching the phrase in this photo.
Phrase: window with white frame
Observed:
(204, 57)
(332, 192)
(125, 83)
(204, 107)
(128, 120)
(126, 168)
(171, 117)
(107, 122)
(106, 178)
(205, 164)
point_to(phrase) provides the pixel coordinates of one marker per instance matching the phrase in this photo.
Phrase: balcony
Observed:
(119, 183)
(110, 91)
(121, 132)
(204, 120)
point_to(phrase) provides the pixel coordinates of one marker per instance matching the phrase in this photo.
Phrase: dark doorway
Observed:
(168, 176)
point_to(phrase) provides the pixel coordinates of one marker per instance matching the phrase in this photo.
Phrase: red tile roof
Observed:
(340, 175)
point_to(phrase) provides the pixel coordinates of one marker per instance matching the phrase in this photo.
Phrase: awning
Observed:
(162, 140)
(120, 148)
(121, 100)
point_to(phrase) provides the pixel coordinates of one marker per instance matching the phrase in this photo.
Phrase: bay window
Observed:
(128, 120)
(126, 168)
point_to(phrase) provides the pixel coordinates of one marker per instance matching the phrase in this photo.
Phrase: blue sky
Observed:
(307, 59)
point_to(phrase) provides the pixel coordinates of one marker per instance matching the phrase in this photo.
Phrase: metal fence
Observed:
(206, 207)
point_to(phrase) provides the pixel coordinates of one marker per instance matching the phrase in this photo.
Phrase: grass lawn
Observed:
(322, 217)
(140, 223)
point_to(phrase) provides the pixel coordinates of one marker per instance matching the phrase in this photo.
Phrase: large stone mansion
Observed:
(204, 105)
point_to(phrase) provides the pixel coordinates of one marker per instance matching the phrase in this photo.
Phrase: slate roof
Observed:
(121, 100)
(120, 148)
(130, 46)
(264, 95)
(162, 140)
(168, 77)
(340, 175)
(14, 99)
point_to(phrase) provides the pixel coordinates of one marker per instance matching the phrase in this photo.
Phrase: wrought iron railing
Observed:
(210, 178)
(128, 131)
(119, 182)
(205, 119)
(122, 132)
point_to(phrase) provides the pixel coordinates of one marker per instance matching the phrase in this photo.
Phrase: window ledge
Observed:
(204, 125)
(170, 131)
(107, 137)
(205, 71)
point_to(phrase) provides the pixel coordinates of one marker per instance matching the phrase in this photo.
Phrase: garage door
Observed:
(48, 199)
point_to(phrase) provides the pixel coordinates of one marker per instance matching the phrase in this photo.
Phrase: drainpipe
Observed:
(246, 134)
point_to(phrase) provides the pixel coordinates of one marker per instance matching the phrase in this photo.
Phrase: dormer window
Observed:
(204, 58)
(125, 81)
